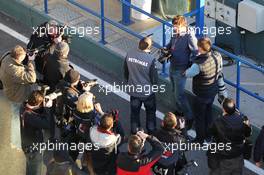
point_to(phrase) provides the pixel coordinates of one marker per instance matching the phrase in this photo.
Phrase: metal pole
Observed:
(102, 23)
(199, 20)
(238, 85)
(126, 13)
(46, 6)
(163, 72)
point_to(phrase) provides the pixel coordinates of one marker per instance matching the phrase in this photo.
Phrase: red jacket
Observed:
(128, 164)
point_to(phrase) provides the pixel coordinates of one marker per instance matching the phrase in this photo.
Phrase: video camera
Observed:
(32, 52)
(165, 55)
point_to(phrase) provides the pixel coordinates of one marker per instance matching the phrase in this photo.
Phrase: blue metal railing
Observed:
(199, 23)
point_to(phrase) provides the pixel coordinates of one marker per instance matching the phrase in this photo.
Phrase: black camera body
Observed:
(165, 55)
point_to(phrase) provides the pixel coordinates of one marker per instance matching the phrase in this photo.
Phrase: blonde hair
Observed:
(85, 103)
(17, 51)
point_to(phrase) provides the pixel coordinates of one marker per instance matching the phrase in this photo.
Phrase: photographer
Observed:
(17, 78)
(17, 81)
(230, 129)
(71, 87)
(70, 90)
(133, 161)
(42, 39)
(183, 49)
(169, 134)
(34, 118)
(205, 72)
(57, 65)
(107, 140)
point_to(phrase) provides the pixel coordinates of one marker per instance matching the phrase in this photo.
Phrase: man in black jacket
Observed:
(229, 130)
(134, 162)
(57, 65)
(259, 148)
(140, 73)
(172, 160)
(43, 38)
(70, 92)
(34, 118)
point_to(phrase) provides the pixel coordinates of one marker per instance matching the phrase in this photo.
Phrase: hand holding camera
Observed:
(86, 86)
(58, 39)
(32, 55)
(246, 120)
(165, 55)
(142, 135)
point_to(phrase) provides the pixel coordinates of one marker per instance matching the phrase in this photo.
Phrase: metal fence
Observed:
(199, 22)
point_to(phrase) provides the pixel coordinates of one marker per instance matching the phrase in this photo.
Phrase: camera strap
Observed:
(4, 56)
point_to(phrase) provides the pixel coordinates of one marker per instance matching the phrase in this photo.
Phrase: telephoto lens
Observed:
(53, 96)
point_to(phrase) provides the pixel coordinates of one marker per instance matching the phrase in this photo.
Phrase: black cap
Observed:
(72, 76)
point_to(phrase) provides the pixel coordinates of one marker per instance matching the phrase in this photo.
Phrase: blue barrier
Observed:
(126, 13)
(46, 6)
(237, 85)
(199, 12)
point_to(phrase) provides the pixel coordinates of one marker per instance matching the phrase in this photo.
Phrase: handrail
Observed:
(164, 24)
(236, 58)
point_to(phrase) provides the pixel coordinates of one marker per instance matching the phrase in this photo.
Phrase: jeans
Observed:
(34, 163)
(135, 106)
(203, 117)
(178, 86)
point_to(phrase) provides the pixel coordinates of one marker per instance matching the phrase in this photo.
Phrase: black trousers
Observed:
(150, 106)
(220, 166)
(203, 118)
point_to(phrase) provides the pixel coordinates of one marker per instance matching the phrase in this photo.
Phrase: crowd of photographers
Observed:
(49, 95)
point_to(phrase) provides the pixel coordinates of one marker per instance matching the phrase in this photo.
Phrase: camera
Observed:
(67, 38)
(136, 130)
(54, 95)
(165, 55)
(32, 52)
(51, 96)
(115, 114)
(89, 84)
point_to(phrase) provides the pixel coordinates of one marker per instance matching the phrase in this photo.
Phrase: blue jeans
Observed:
(178, 87)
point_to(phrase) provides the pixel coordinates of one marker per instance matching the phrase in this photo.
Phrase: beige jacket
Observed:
(17, 79)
